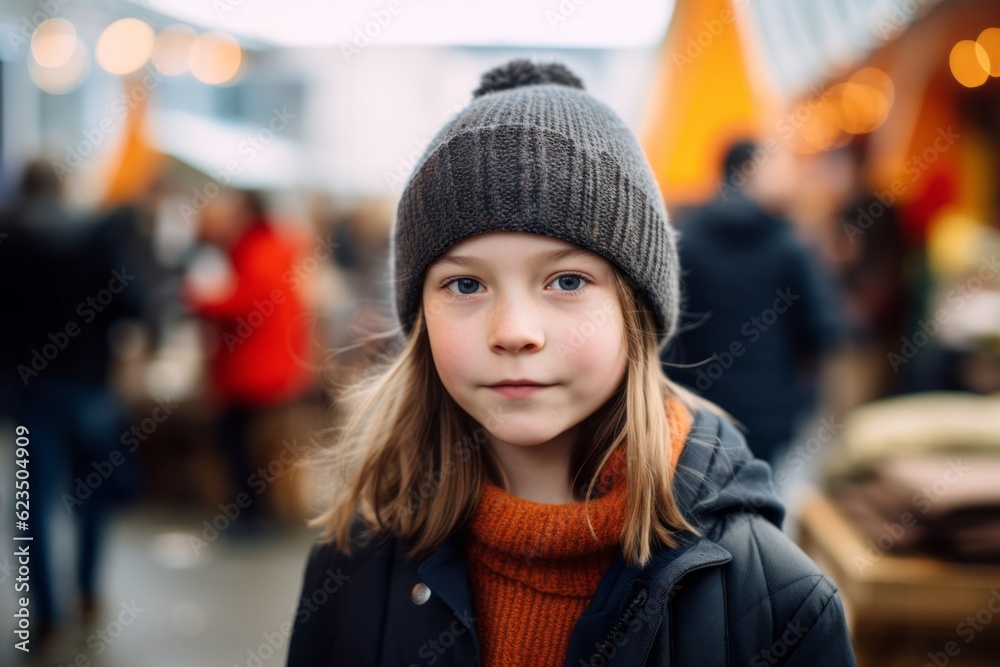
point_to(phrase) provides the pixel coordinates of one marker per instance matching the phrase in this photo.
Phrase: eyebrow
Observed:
(543, 256)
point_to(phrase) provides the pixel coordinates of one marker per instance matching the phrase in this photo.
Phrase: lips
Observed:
(520, 382)
(523, 390)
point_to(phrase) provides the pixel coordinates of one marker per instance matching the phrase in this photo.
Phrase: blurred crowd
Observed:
(183, 365)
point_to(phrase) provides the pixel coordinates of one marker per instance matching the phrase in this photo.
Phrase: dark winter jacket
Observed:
(757, 311)
(67, 281)
(743, 595)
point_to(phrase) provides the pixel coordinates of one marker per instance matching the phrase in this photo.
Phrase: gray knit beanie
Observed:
(535, 153)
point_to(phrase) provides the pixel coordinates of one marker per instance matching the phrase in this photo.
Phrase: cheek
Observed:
(596, 350)
(449, 347)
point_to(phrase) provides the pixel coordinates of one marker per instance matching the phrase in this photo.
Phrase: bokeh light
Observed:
(989, 39)
(124, 46)
(865, 100)
(53, 42)
(170, 51)
(215, 57)
(821, 130)
(65, 78)
(970, 64)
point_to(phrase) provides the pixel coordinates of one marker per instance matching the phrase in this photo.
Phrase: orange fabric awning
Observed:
(137, 164)
(702, 100)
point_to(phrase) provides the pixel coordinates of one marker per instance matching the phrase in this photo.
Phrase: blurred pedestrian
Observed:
(67, 283)
(758, 313)
(260, 359)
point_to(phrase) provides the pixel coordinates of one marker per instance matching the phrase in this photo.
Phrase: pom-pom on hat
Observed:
(534, 152)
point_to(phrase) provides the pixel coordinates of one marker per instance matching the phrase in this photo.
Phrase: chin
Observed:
(524, 435)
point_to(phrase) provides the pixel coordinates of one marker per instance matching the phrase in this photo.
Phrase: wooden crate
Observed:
(904, 610)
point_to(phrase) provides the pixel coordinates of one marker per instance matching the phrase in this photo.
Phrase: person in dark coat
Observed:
(758, 314)
(522, 485)
(742, 595)
(68, 282)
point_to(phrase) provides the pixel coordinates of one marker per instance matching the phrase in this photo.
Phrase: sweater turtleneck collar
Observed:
(550, 547)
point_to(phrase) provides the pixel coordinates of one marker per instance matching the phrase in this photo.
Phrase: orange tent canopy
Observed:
(703, 99)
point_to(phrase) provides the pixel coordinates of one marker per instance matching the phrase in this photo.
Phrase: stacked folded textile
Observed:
(921, 473)
(941, 504)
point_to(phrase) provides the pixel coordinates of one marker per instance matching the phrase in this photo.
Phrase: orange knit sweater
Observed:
(533, 567)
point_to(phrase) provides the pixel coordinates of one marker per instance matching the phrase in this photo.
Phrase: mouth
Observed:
(523, 389)
(518, 382)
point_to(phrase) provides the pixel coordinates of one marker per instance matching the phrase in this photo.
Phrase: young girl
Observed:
(522, 483)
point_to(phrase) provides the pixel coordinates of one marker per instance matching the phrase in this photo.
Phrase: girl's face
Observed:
(511, 306)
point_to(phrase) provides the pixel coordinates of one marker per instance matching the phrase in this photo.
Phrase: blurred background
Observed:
(196, 204)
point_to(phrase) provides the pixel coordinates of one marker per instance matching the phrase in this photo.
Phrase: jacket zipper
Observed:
(626, 617)
(640, 600)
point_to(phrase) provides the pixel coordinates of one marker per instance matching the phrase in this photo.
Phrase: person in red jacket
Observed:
(261, 357)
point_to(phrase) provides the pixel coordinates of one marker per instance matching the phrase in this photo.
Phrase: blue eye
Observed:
(463, 285)
(574, 280)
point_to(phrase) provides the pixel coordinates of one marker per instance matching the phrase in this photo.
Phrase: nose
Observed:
(515, 325)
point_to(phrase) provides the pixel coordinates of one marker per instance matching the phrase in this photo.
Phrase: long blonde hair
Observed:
(409, 461)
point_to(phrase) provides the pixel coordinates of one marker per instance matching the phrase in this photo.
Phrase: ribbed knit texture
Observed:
(547, 159)
(533, 567)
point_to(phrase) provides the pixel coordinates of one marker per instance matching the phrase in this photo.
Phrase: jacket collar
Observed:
(701, 491)
(624, 591)
(446, 573)
(629, 592)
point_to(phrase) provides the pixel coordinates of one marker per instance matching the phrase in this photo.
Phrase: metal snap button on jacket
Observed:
(420, 593)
